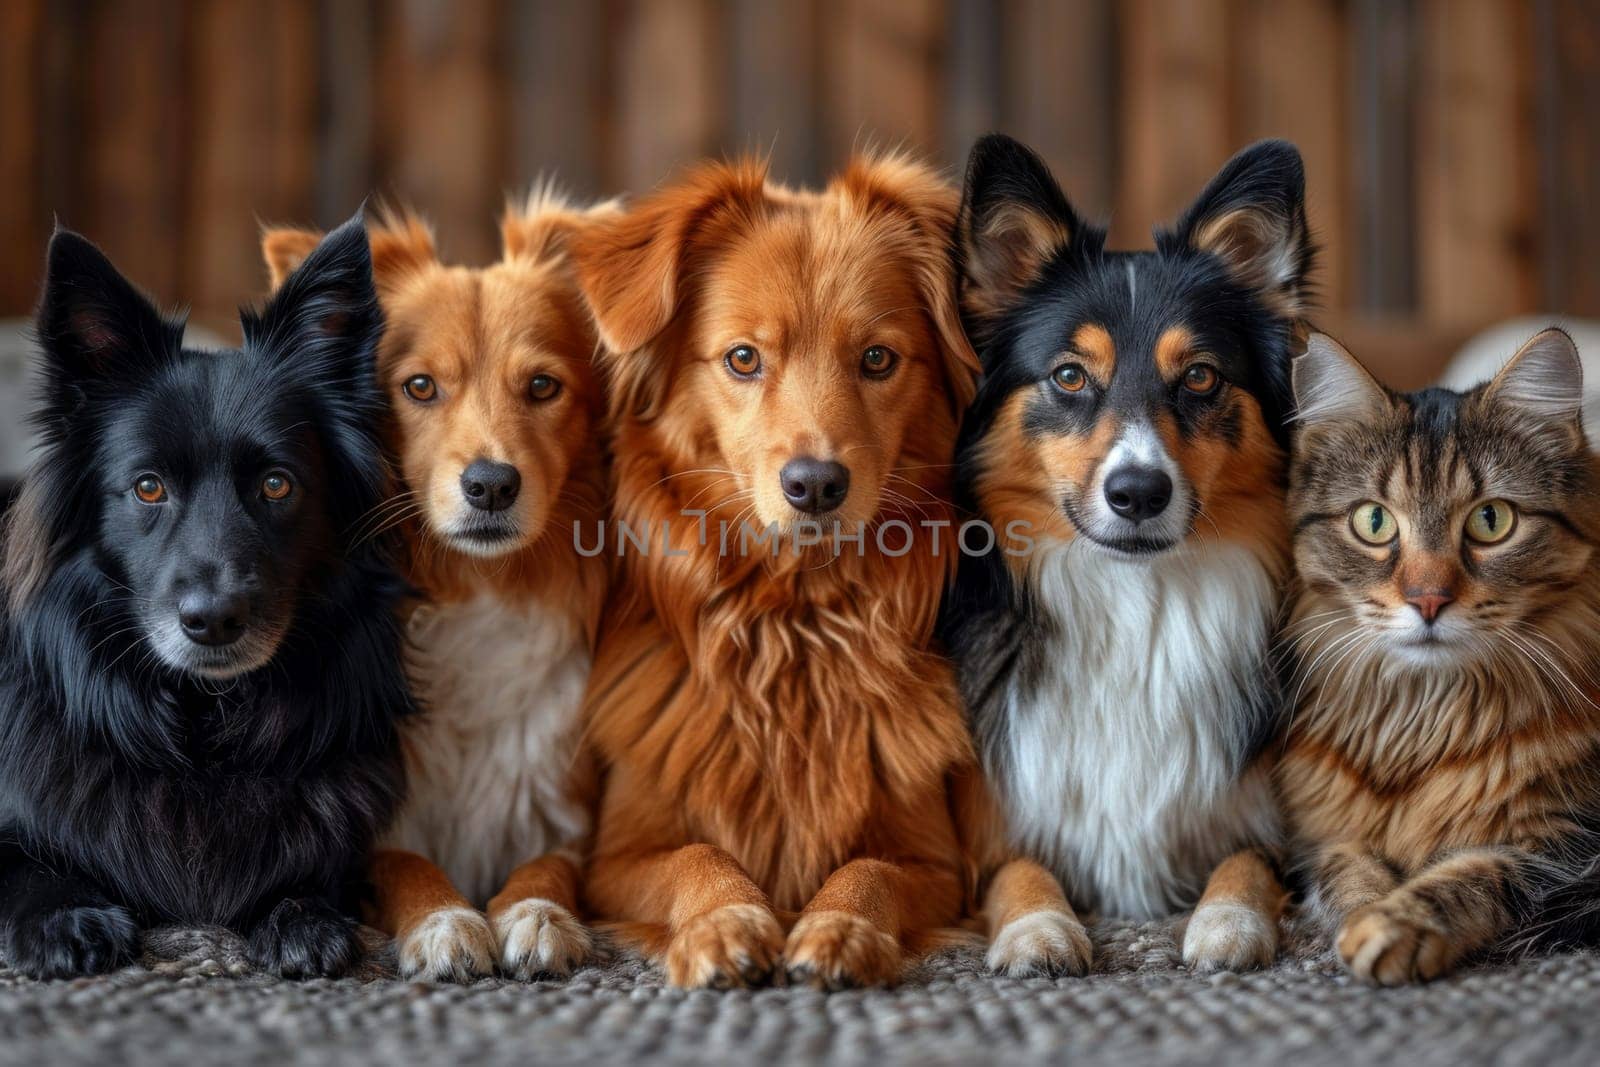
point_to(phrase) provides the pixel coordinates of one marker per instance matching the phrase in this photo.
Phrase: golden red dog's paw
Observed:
(540, 937)
(833, 950)
(1229, 937)
(1042, 943)
(728, 947)
(1385, 947)
(449, 945)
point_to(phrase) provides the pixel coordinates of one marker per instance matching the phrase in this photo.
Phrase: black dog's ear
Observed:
(324, 320)
(1013, 220)
(95, 327)
(1253, 216)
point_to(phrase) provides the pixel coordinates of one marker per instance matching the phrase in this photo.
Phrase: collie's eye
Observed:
(1201, 378)
(1373, 523)
(276, 486)
(1070, 377)
(879, 361)
(743, 361)
(149, 489)
(420, 388)
(543, 387)
(1491, 521)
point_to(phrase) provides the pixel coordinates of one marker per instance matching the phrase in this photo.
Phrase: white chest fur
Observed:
(489, 761)
(1125, 751)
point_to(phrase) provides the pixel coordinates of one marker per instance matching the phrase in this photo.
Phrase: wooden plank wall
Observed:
(1452, 145)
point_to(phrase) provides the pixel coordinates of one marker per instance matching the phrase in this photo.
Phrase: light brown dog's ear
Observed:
(402, 244)
(285, 248)
(541, 226)
(629, 265)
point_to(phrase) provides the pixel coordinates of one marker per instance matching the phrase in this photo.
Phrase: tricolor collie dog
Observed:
(496, 410)
(775, 723)
(200, 668)
(1130, 430)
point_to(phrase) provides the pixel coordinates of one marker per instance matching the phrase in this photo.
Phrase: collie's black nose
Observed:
(490, 486)
(1138, 493)
(214, 618)
(814, 485)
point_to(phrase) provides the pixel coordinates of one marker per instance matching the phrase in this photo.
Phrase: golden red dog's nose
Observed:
(814, 485)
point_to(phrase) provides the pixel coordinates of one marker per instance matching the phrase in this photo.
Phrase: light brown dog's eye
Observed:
(1202, 378)
(743, 361)
(1070, 378)
(149, 489)
(276, 486)
(879, 361)
(420, 388)
(543, 387)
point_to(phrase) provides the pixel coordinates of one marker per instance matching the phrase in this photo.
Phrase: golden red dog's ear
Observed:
(899, 184)
(630, 265)
(285, 248)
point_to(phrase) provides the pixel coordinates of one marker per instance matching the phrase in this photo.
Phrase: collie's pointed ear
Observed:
(1013, 220)
(95, 327)
(1253, 217)
(284, 248)
(1544, 379)
(630, 265)
(1330, 385)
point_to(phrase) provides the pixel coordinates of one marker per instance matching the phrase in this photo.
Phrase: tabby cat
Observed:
(1441, 771)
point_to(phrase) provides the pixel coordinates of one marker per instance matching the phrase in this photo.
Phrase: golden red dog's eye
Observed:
(420, 388)
(543, 387)
(743, 361)
(276, 486)
(1070, 378)
(879, 361)
(149, 489)
(1201, 378)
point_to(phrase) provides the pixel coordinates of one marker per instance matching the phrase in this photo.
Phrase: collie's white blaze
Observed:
(1138, 445)
(489, 759)
(1122, 761)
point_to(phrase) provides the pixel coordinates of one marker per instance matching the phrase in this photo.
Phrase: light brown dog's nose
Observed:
(1429, 602)
(814, 485)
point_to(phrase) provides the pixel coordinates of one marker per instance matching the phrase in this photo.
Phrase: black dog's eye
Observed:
(420, 388)
(543, 387)
(149, 489)
(743, 361)
(879, 361)
(1070, 378)
(276, 486)
(1201, 378)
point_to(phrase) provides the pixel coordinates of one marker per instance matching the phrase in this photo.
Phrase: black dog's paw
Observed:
(305, 938)
(66, 942)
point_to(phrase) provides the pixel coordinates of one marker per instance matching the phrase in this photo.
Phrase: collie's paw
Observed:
(540, 937)
(1229, 937)
(833, 950)
(1047, 943)
(304, 938)
(1386, 948)
(449, 945)
(69, 942)
(727, 947)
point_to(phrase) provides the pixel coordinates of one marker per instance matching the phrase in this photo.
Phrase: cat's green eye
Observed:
(1491, 521)
(1372, 523)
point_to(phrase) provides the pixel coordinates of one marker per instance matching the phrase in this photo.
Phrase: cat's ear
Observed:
(1544, 379)
(1252, 216)
(1330, 385)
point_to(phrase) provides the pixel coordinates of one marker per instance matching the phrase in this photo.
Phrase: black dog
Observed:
(200, 681)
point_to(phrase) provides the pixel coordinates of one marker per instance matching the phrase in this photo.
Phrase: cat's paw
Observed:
(66, 942)
(540, 937)
(1043, 943)
(305, 938)
(833, 950)
(1229, 937)
(448, 945)
(735, 945)
(1382, 945)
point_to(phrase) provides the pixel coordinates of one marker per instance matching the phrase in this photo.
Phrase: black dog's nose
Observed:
(814, 485)
(490, 486)
(1138, 493)
(214, 618)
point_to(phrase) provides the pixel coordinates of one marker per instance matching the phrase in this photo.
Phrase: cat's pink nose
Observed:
(1429, 604)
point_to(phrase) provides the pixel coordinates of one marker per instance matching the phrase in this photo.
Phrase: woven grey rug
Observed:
(195, 1001)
